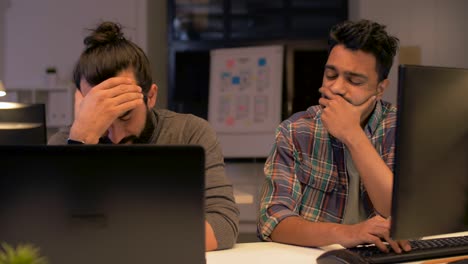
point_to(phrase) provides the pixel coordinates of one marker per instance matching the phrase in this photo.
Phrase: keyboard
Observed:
(420, 250)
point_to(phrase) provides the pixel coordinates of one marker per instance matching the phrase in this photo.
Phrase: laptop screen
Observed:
(105, 204)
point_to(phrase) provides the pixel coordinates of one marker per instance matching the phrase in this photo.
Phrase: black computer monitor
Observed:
(99, 204)
(22, 124)
(430, 194)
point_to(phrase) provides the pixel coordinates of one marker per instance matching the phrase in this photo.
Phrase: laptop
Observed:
(90, 204)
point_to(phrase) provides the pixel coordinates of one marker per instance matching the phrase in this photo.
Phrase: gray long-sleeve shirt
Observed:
(221, 211)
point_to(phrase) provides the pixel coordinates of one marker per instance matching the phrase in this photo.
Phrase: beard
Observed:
(143, 138)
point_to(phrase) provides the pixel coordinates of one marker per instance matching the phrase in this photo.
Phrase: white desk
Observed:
(275, 253)
(264, 252)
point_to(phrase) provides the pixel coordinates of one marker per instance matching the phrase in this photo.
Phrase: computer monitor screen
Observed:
(105, 203)
(430, 194)
(22, 124)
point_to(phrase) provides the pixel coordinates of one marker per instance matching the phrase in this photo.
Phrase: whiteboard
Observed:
(245, 98)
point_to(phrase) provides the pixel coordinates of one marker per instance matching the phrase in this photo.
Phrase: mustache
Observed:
(346, 99)
(349, 100)
(131, 138)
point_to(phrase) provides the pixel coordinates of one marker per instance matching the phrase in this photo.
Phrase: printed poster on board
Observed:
(245, 89)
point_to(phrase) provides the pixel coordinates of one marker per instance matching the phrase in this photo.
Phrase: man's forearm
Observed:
(374, 172)
(298, 231)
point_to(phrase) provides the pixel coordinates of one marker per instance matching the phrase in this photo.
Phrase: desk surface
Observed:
(274, 253)
(264, 252)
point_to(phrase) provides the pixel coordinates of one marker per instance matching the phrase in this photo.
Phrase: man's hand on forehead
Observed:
(102, 105)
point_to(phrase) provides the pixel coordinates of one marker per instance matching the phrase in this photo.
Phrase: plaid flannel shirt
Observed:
(306, 171)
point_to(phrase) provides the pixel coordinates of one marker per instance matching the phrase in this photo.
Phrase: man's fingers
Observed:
(395, 246)
(382, 231)
(113, 82)
(123, 98)
(323, 102)
(329, 95)
(78, 99)
(378, 243)
(127, 106)
(122, 89)
(78, 96)
(405, 245)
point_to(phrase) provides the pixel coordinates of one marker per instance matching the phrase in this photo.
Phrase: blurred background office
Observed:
(41, 40)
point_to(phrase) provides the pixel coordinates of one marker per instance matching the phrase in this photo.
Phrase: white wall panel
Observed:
(50, 33)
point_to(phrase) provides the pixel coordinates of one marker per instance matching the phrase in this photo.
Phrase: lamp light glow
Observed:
(2, 89)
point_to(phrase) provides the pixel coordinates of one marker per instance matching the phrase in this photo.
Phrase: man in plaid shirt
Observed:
(329, 176)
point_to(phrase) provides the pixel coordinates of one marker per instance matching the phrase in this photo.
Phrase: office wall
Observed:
(3, 7)
(436, 27)
(46, 33)
(36, 34)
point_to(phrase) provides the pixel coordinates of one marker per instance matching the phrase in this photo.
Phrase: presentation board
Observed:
(245, 98)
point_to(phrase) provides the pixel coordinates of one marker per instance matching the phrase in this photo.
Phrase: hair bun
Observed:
(105, 33)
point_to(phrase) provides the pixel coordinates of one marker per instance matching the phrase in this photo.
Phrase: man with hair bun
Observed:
(114, 104)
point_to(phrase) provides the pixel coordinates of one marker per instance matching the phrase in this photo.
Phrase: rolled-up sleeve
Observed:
(281, 191)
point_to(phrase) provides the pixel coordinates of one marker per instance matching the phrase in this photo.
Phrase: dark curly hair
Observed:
(367, 36)
(107, 52)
